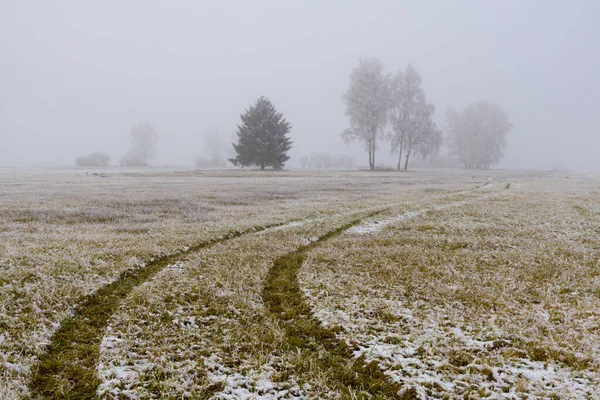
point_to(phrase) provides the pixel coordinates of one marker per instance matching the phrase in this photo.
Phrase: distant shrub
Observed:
(213, 154)
(384, 168)
(93, 160)
(327, 161)
(133, 159)
(202, 162)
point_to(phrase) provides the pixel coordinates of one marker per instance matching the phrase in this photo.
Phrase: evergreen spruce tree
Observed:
(262, 137)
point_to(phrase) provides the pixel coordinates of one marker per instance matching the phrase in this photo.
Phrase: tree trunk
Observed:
(371, 155)
(262, 166)
(406, 160)
(399, 158)
(373, 164)
(373, 145)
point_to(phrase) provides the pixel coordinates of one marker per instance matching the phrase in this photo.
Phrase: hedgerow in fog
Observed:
(478, 134)
(143, 145)
(262, 137)
(367, 101)
(96, 159)
(413, 130)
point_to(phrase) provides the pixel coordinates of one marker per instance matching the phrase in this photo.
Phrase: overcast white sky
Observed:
(75, 75)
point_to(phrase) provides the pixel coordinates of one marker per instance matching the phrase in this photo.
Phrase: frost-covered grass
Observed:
(213, 301)
(497, 298)
(200, 329)
(64, 235)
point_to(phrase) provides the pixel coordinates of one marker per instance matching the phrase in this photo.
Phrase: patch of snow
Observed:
(255, 385)
(375, 226)
(292, 224)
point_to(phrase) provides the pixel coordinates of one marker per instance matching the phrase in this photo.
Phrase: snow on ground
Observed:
(373, 225)
(256, 385)
(200, 327)
(285, 226)
(64, 235)
(495, 299)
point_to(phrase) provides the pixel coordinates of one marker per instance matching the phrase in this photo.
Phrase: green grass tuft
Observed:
(352, 377)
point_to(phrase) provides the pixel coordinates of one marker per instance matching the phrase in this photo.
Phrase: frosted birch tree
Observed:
(143, 145)
(413, 130)
(366, 102)
(478, 134)
(213, 150)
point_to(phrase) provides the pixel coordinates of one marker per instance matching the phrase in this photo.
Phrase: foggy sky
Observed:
(75, 75)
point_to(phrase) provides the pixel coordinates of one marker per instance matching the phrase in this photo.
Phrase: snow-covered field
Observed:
(499, 298)
(482, 284)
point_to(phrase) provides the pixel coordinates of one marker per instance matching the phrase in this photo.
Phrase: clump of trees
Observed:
(96, 159)
(262, 137)
(478, 134)
(143, 145)
(213, 149)
(327, 161)
(375, 100)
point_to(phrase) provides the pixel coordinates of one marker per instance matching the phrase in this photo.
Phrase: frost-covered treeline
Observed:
(376, 101)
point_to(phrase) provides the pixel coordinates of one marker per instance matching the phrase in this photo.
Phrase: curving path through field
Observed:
(354, 377)
(68, 369)
(73, 353)
(284, 299)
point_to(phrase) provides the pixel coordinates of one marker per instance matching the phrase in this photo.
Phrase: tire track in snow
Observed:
(375, 226)
(284, 299)
(376, 209)
(67, 370)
